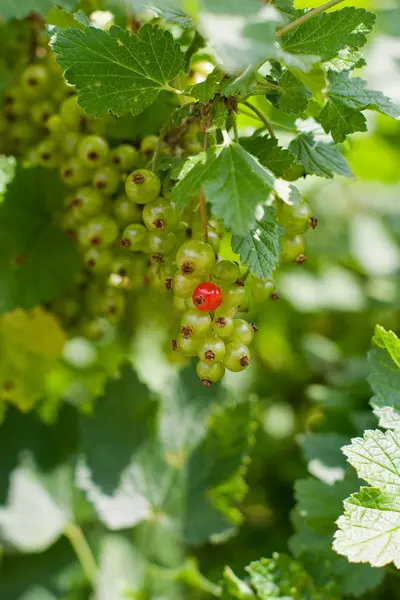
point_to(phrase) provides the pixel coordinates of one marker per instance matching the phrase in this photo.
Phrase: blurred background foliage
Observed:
(309, 376)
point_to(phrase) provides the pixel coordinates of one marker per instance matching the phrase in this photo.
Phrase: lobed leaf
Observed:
(318, 158)
(117, 71)
(19, 10)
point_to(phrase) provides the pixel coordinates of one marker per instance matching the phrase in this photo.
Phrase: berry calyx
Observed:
(207, 296)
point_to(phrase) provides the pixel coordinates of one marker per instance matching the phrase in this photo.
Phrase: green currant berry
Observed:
(125, 211)
(179, 303)
(73, 173)
(293, 250)
(14, 104)
(237, 356)
(66, 308)
(124, 157)
(72, 114)
(134, 237)
(122, 266)
(102, 231)
(56, 128)
(194, 257)
(210, 373)
(21, 133)
(149, 144)
(222, 325)
(35, 80)
(243, 332)
(113, 305)
(99, 261)
(48, 154)
(213, 240)
(161, 215)
(211, 349)
(159, 244)
(226, 271)
(195, 323)
(85, 203)
(294, 217)
(235, 294)
(294, 172)
(93, 329)
(184, 285)
(192, 147)
(41, 112)
(262, 289)
(142, 186)
(93, 150)
(106, 179)
(188, 346)
(69, 142)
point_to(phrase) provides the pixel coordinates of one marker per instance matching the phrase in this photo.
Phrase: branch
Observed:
(202, 203)
(261, 117)
(307, 17)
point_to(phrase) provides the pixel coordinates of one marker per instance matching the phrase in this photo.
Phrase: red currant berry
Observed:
(207, 296)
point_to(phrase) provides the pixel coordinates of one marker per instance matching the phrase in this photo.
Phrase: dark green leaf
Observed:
(234, 183)
(269, 153)
(293, 97)
(205, 91)
(59, 17)
(327, 33)
(260, 248)
(318, 158)
(37, 259)
(118, 72)
(346, 98)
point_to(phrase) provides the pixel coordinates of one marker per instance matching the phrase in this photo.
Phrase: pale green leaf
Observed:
(20, 9)
(241, 33)
(389, 341)
(233, 181)
(369, 530)
(318, 158)
(282, 578)
(327, 33)
(32, 520)
(385, 383)
(117, 71)
(260, 248)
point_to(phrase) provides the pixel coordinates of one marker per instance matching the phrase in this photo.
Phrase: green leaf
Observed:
(7, 170)
(318, 158)
(346, 98)
(260, 248)
(118, 72)
(21, 9)
(233, 587)
(269, 153)
(132, 470)
(369, 529)
(58, 17)
(233, 181)
(327, 33)
(37, 259)
(241, 33)
(389, 341)
(206, 90)
(325, 448)
(293, 97)
(32, 520)
(282, 578)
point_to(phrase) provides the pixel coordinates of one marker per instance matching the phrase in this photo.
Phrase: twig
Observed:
(202, 203)
(82, 550)
(261, 117)
(307, 17)
(235, 129)
(156, 152)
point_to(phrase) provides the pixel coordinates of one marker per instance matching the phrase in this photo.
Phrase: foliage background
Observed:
(308, 386)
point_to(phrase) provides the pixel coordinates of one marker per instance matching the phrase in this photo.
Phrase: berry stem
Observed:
(235, 129)
(307, 17)
(202, 203)
(82, 550)
(261, 117)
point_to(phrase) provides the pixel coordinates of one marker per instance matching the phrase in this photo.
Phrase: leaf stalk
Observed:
(307, 17)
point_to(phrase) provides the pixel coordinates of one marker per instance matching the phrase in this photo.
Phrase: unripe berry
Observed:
(210, 373)
(124, 157)
(93, 150)
(293, 249)
(226, 271)
(237, 356)
(194, 257)
(195, 323)
(142, 186)
(211, 349)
